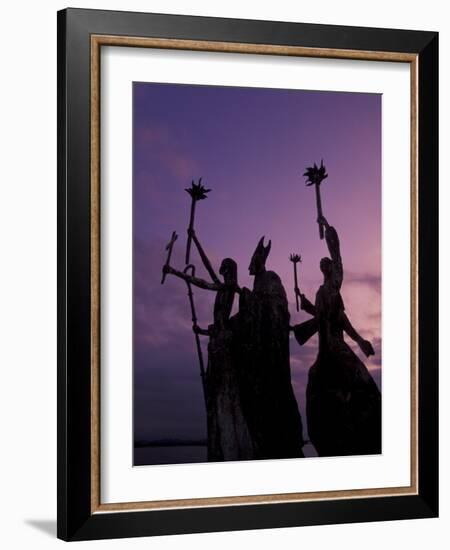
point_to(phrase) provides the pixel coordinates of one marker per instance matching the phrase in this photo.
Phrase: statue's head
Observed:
(228, 270)
(326, 266)
(258, 261)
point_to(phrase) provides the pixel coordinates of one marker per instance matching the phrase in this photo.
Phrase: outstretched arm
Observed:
(200, 283)
(334, 248)
(305, 330)
(204, 257)
(198, 330)
(365, 345)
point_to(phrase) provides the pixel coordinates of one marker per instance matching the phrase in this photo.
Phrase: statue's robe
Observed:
(343, 402)
(228, 434)
(262, 353)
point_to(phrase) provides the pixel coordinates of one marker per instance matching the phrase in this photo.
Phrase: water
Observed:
(182, 454)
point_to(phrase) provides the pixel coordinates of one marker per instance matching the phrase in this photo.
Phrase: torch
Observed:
(197, 193)
(315, 176)
(295, 259)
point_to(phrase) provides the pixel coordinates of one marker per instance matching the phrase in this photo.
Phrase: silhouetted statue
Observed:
(228, 434)
(343, 403)
(262, 350)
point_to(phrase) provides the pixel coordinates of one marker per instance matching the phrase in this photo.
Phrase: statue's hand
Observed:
(166, 269)
(323, 221)
(196, 328)
(366, 348)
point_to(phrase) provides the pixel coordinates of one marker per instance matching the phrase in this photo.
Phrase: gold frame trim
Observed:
(128, 41)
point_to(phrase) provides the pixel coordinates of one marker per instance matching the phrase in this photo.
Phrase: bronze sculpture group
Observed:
(251, 409)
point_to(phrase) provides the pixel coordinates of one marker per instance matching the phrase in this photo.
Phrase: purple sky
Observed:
(251, 147)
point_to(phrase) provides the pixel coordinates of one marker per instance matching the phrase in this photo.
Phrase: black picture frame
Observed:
(76, 521)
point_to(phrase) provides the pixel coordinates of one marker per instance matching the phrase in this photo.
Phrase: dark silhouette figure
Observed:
(343, 403)
(262, 353)
(228, 434)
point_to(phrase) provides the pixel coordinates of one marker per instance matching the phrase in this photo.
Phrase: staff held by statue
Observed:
(169, 249)
(191, 268)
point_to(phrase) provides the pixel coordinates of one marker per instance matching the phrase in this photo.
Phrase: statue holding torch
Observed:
(197, 193)
(315, 175)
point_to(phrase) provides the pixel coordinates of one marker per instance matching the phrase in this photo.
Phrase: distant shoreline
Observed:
(171, 443)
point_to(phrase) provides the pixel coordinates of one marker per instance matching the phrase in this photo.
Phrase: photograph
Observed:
(257, 262)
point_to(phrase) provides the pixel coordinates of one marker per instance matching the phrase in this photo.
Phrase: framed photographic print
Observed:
(248, 295)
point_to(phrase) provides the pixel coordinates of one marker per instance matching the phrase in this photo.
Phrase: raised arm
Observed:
(365, 345)
(334, 248)
(305, 304)
(200, 283)
(204, 257)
